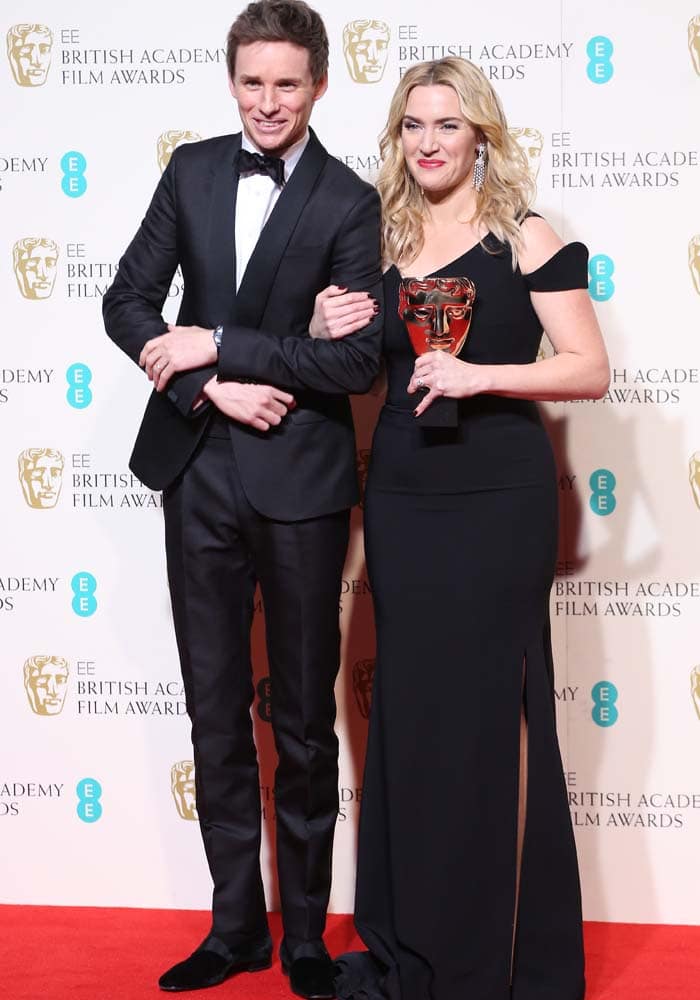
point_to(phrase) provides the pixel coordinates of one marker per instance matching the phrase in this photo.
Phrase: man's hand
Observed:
(259, 406)
(179, 350)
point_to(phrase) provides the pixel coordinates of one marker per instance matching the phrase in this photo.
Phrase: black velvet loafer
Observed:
(206, 968)
(311, 977)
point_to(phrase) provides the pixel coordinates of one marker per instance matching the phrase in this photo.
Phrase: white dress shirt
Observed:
(257, 195)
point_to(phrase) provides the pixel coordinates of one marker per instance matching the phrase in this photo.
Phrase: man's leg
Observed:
(212, 586)
(300, 570)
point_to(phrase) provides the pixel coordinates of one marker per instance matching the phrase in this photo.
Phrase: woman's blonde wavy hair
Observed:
(508, 188)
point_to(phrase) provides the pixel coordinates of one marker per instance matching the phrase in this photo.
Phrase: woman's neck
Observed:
(442, 208)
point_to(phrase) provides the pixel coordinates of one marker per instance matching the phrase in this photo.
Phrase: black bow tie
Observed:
(257, 163)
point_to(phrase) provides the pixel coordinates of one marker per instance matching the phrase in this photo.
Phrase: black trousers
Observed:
(218, 548)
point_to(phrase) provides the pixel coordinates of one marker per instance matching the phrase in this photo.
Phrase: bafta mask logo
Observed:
(41, 476)
(362, 470)
(694, 477)
(694, 261)
(182, 787)
(46, 683)
(34, 259)
(694, 41)
(169, 141)
(366, 47)
(362, 681)
(695, 688)
(29, 53)
(531, 141)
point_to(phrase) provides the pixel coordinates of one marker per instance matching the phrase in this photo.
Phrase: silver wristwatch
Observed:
(217, 335)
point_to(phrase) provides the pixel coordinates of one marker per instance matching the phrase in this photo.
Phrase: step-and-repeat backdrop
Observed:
(96, 775)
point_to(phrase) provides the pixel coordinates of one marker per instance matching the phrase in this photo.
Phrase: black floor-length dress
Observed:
(461, 540)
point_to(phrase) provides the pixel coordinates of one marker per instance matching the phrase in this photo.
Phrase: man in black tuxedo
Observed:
(249, 434)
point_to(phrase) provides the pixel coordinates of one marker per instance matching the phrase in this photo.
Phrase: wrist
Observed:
(217, 336)
(487, 379)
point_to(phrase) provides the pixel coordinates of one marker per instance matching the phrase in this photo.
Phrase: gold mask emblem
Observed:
(41, 476)
(695, 688)
(169, 141)
(531, 141)
(694, 41)
(46, 683)
(29, 53)
(183, 789)
(366, 47)
(694, 477)
(34, 260)
(362, 683)
(694, 261)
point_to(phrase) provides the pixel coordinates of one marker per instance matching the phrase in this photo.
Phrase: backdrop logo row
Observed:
(41, 478)
(365, 48)
(35, 258)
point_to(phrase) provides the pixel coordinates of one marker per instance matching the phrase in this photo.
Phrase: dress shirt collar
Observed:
(291, 157)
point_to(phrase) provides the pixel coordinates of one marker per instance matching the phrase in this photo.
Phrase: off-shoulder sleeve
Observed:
(568, 268)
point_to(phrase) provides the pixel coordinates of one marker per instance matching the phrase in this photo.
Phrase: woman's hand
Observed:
(338, 313)
(444, 375)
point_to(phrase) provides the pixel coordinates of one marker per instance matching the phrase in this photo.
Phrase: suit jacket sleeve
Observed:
(132, 306)
(332, 366)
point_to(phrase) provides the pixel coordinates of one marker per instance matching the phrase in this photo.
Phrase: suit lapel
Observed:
(222, 233)
(276, 233)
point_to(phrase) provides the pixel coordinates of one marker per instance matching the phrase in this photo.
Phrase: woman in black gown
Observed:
(467, 885)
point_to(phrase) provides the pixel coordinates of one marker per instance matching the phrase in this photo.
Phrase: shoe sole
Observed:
(259, 965)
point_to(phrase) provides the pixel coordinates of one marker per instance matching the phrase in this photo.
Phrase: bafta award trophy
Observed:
(437, 313)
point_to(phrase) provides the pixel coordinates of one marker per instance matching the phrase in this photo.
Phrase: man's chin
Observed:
(270, 142)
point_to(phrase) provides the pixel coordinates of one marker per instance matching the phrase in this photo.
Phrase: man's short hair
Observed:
(280, 21)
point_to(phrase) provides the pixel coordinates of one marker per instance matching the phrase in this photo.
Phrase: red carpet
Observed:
(52, 953)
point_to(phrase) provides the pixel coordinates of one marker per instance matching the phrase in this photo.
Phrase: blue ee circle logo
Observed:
(73, 182)
(602, 483)
(604, 695)
(89, 792)
(84, 586)
(79, 394)
(599, 51)
(600, 271)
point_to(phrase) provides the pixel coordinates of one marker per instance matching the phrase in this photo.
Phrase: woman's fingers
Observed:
(426, 401)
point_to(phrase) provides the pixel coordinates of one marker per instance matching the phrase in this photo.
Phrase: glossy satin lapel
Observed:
(277, 231)
(222, 234)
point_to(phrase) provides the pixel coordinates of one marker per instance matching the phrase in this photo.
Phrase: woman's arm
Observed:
(579, 368)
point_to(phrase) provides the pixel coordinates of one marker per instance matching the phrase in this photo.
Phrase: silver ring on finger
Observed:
(420, 382)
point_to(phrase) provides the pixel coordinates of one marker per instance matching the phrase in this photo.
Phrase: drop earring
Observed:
(480, 166)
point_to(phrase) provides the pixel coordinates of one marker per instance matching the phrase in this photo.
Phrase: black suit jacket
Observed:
(324, 229)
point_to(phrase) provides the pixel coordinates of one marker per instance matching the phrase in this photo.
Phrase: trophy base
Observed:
(442, 412)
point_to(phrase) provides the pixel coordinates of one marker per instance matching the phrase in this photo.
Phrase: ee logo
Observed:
(84, 586)
(604, 695)
(602, 483)
(79, 393)
(600, 271)
(599, 68)
(73, 182)
(89, 808)
(264, 694)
